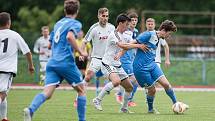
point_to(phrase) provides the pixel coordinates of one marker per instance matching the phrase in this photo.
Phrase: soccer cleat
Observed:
(4, 120)
(75, 103)
(97, 104)
(132, 104)
(119, 98)
(125, 110)
(153, 111)
(27, 114)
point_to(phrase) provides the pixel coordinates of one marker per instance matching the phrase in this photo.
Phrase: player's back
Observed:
(146, 59)
(10, 43)
(62, 50)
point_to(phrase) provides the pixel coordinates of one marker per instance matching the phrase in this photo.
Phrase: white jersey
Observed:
(10, 43)
(158, 50)
(112, 48)
(99, 37)
(41, 45)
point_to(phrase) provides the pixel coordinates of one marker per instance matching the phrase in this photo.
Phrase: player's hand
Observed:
(81, 58)
(31, 69)
(167, 63)
(143, 47)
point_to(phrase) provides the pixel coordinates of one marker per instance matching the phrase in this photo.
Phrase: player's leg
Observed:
(135, 86)
(126, 84)
(73, 76)
(51, 81)
(5, 84)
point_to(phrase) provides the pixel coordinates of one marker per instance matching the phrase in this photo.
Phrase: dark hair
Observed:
(102, 10)
(168, 25)
(133, 15)
(122, 18)
(4, 18)
(71, 7)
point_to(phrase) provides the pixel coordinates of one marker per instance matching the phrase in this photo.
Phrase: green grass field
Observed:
(60, 107)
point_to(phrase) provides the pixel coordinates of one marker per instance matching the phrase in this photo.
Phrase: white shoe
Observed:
(27, 114)
(125, 110)
(97, 104)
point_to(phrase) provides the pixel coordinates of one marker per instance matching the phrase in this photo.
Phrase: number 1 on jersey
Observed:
(5, 41)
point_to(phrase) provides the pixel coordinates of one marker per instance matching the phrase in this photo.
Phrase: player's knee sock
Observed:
(97, 87)
(171, 94)
(38, 100)
(125, 101)
(81, 108)
(150, 101)
(135, 86)
(3, 109)
(106, 89)
(120, 91)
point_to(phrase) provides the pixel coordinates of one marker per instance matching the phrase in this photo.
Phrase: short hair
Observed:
(122, 18)
(150, 20)
(133, 15)
(71, 7)
(168, 25)
(44, 27)
(4, 18)
(102, 10)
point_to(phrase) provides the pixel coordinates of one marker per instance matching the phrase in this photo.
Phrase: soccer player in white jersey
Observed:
(150, 26)
(99, 35)
(41, 48)
(111, 65)
(10, 43)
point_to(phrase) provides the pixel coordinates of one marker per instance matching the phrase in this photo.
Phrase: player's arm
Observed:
(71, 38)
(119, 54)
(127, 46)
(30, 62)
(166, 51)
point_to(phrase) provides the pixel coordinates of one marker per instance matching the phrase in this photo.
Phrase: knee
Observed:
(152, 92)
(129, 89)
(116, 83)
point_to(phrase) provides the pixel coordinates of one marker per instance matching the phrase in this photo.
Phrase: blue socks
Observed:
(135, 86)
(171, 94)
(38, 100)
(150, 101)
(81, 108)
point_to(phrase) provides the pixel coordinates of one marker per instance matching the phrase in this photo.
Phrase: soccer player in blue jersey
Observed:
(61, 64)
(127, 61)
(146, 70)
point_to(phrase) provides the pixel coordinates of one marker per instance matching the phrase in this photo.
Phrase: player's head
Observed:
(166, 28)
(80, 34)
(134, 19)
(5, 20)
(71, 7)
(150, 24)
(45, 31)
(122, 22)
(103, 16)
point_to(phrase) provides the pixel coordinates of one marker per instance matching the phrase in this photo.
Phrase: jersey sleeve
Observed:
(114, 37)
(22, 45)
(143, 37)
(36, 46)
(75, 28)
(90, 34)
(163, 42)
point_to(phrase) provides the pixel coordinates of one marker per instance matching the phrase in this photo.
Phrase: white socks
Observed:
(107, 88)
(3, 109)
(125, 101)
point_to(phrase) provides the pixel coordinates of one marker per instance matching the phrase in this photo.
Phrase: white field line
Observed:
(93, 88)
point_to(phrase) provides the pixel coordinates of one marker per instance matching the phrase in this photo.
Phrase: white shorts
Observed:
(159, 64)
(5, 81)
(107, 70)
(95, 65)
(43, 66)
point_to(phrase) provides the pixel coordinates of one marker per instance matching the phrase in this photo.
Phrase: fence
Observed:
(183, 71)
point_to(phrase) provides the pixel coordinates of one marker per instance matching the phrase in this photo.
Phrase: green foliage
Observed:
(60, 107)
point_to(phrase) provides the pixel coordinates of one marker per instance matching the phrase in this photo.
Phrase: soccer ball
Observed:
(179, 108)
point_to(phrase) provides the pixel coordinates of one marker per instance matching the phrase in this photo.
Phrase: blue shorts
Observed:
(99, 73)
(147, 78)
(128, 68)
(56, 73)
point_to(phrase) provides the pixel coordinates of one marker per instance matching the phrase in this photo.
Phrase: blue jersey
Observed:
(62, 51)
(145, 60)
(128, 57)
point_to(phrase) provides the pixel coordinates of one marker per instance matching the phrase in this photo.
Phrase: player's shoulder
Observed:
(110, 25)
(13, 34)
(94, 26)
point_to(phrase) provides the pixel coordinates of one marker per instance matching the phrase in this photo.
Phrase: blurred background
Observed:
(192, 47)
